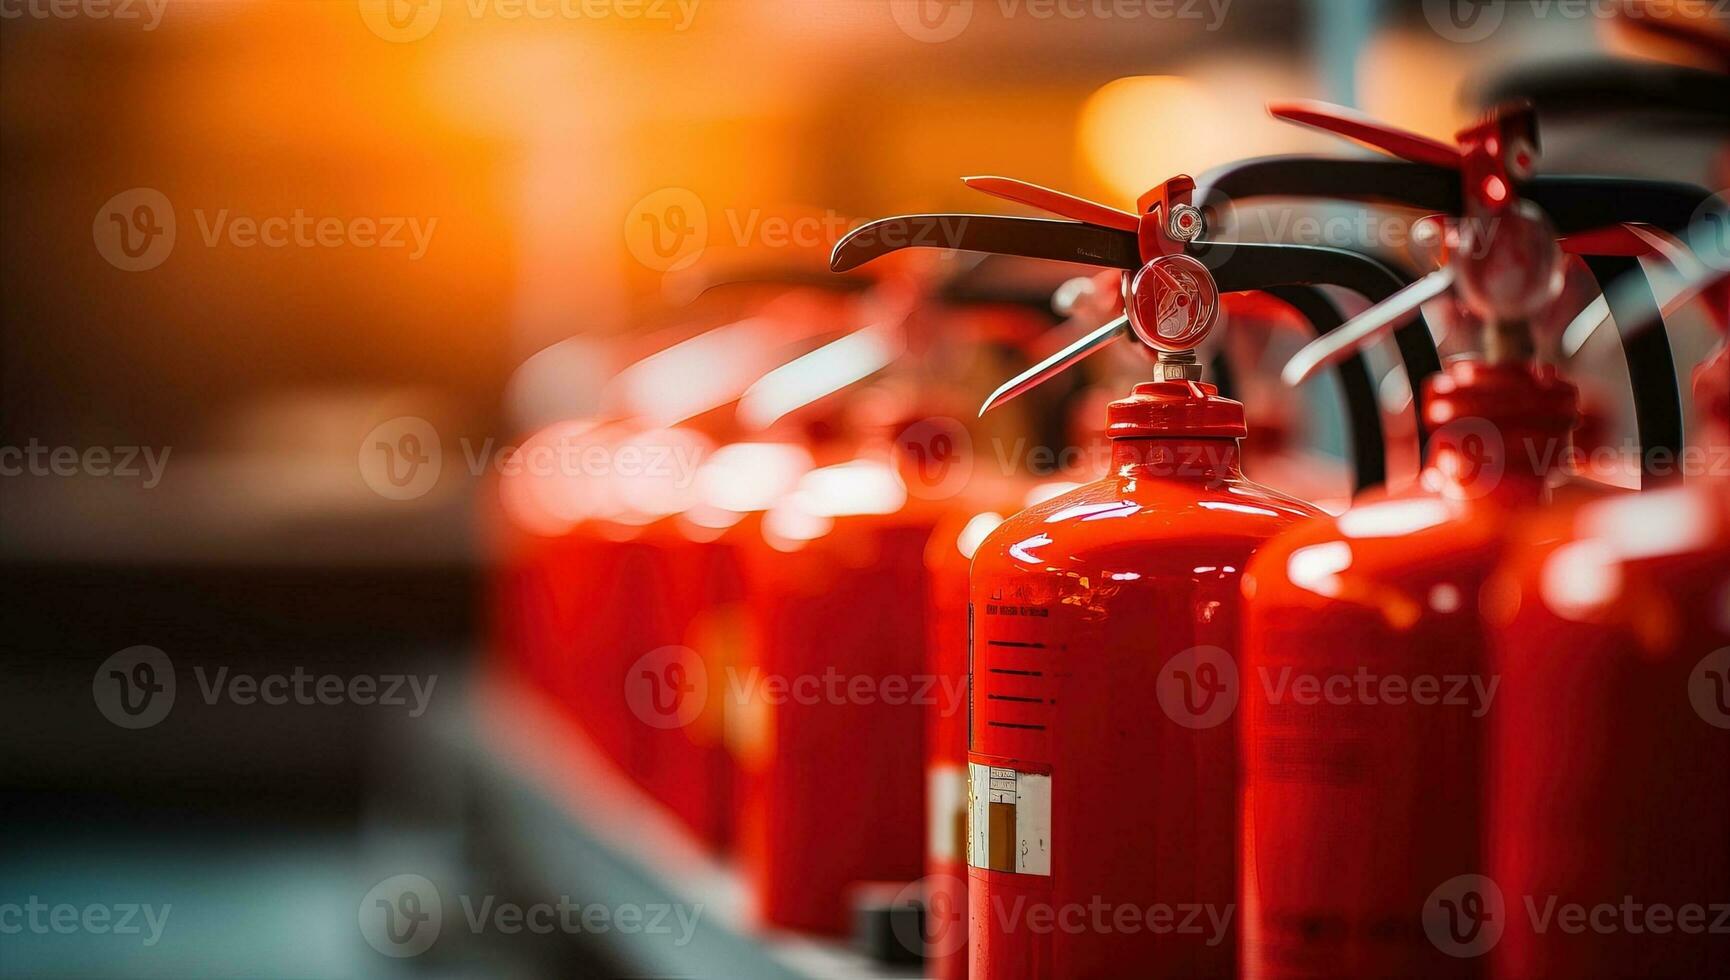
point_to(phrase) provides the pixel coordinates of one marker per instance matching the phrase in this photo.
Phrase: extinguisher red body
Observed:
(1607, 755)
(948, 559)
(1367, 687)
(1102, 758)
(828, 715)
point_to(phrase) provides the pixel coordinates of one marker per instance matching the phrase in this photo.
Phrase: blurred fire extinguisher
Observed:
(1092, 609)
(612, 578)
(1607, 793)
(827, 711)
(1364, 652)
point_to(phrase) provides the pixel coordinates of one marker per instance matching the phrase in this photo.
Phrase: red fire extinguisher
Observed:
(1610, 222)
(831, 707)
(1101, 758)
(1365, 670)
(986, 503)
(618, 578)
(1609, 832)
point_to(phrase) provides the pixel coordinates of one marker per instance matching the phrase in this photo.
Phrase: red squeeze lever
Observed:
(1170, 302)
(1487, 188)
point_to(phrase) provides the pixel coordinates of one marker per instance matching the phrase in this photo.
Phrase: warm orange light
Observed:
(1137, 131)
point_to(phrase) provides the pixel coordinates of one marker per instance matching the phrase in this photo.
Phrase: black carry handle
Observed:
(1290, 273)
(1286, 271)
(1573, 203)
(1672, 95)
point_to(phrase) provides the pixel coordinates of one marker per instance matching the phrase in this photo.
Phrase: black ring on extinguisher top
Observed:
(1250, 266)
(1245, 268)
(1573, 203)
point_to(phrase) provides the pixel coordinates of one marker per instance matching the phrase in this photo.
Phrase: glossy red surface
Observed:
(829, 728)
(1609, 744)
(1608, 749)
(1084, 608)
(1366, 684)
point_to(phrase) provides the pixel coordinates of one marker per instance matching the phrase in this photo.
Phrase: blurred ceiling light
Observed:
(691, 377)
(821, 372)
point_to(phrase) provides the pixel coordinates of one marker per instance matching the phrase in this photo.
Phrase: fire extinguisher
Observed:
(1101, 764)
(1610, 222)
(942, 939)
(957, 537)
(1366, 675)
(1609, 813)
(831, 707)
(615, 581)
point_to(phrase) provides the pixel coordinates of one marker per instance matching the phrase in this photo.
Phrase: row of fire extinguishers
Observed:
(1213, 729)
(1180, 720)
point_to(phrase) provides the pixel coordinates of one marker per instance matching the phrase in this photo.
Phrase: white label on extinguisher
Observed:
(946, 796)
(1008, 820)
